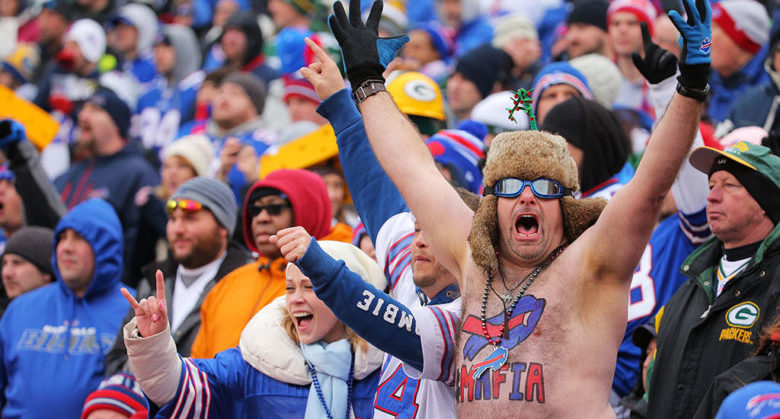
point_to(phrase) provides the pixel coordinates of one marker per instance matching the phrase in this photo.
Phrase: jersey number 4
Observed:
(642, 296)
(397, 395)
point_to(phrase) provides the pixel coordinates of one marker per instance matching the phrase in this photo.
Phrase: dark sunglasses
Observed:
(186, 205)
(272, 209)
(510, 187)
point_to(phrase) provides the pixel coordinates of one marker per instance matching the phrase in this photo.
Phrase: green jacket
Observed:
(701, 336)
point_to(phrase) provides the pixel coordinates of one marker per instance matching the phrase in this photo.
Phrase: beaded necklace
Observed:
(503, 332)
(350, 380)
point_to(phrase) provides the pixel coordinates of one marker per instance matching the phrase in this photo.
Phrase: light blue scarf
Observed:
(332, 363)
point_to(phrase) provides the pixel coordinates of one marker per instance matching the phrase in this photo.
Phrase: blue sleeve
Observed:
(372, 314)
(209, 388)
(376, 197)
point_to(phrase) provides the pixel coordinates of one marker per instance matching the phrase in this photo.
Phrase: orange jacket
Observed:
(230, 305)
(235, 299)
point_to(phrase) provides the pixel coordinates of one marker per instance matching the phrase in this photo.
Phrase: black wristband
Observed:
(694, 76)
(367, 89)
(699, 94)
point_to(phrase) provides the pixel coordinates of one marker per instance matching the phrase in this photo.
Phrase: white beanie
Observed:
(603, 77)
(491, 111)
(144, 21)
(196, 149)
(745, 22)
(513, 26)
(356, 260)
(90, 37)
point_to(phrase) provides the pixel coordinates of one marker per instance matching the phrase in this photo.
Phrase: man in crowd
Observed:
(113, 170)
(716, 317)
(625, 34)
(283, 199)
(415, 276)
(477, 74)
(586, 32)
(53, 21)
(237, 129)
(133, 35)
(26, 263)
(54, 339)
(740, 29)
(201, 221)
(242, 44)
(517, 36)
(523, 229)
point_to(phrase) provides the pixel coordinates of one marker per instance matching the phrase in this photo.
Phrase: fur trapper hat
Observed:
(528, 155)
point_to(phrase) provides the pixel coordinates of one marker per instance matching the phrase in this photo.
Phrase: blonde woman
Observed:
(295, 359)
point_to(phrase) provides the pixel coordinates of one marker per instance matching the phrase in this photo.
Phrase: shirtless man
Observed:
(544, 277)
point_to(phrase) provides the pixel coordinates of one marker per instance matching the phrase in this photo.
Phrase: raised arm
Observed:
(397, 144)
(633, 212)
(376, 197)
(358, 304)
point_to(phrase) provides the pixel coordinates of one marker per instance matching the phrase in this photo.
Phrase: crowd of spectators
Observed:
(168, 110)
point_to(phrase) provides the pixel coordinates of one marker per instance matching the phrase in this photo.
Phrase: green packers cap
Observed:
(755, 157)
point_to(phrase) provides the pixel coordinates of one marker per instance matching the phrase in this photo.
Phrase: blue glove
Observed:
(11, 132)
(696, 33)
(696, 42)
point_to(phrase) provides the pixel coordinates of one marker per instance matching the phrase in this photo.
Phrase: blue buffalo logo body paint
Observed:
(523, 321)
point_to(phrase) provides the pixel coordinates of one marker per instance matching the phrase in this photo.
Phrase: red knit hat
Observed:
(119, 393)
(642, 9)
(308, 198)
(746, 22)
(300, 88)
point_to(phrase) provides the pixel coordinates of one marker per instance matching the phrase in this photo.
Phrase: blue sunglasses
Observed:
(510, 187)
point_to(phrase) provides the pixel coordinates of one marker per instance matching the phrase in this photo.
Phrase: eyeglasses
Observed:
(186, 205)
(272, 209)
(510, 187)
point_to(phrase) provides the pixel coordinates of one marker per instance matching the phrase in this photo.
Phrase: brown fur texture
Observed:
(528, 155)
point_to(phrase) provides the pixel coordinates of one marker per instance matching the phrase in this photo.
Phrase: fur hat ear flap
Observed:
(483, 238)
(579, 215)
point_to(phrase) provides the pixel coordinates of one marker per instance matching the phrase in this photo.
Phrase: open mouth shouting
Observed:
(302, 320)
(527, 226)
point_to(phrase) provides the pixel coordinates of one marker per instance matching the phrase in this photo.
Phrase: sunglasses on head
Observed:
(272, 209)
(510, 187)
(186, 205)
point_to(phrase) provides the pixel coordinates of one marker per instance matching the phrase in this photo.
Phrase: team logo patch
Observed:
(705, 46)
(420, 90)
(743, 315)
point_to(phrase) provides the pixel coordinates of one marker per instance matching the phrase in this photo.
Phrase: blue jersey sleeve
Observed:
(376, 197)
(372, 314)
(209, 388)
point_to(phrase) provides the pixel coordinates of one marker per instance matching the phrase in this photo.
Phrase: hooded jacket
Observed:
(254, 60)
(233, 301)
(42, 373)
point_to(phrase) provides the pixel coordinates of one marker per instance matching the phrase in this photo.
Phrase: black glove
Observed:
(11, 132)
(358, 41)
(658, 64)
(696, 43)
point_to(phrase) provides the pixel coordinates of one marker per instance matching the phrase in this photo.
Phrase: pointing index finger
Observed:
(160, 285)
(321, 55)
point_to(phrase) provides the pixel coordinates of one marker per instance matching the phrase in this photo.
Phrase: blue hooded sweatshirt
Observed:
(41, 375)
